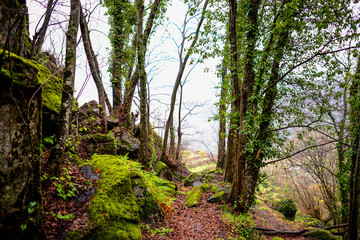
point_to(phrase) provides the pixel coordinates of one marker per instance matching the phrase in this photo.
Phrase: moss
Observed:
(215, 189)
(26, 72)
(163, 171)
(277, 238)
(101, 144)
(191, 178)
(194, 196)
(320, 234)
(313, 222)
(114, 210)
(206, 186)
(218, 197)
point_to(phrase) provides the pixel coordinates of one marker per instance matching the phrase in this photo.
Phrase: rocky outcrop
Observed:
(191, 179)
(163, 171)
(20, 135)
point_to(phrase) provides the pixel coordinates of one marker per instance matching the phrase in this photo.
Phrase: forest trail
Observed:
(202, 222)
(265, 217)
(206, 222)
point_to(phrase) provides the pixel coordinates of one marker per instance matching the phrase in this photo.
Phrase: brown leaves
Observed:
(203, 222)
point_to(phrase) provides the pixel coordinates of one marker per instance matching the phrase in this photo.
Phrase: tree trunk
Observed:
(64, 120)
(39, 36)
(172, 139)
(354, 211)
(222, 120)
(178, 147)
(178, 80)
(125, 116)
(142, 76)
(95, 70)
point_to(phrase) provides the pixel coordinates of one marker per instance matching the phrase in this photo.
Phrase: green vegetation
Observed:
(320, 234)
(243, 224)
(288, 208)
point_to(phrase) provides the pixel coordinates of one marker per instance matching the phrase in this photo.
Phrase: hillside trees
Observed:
(271, 36)
(124, 67)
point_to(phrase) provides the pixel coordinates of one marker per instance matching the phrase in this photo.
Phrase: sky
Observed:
(199, 133)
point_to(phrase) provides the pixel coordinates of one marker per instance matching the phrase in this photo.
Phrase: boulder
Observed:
(21, 100)
(191, 179)
(219, 197)
(127, 144)
(320, 234)
(114, 210)
(100, 144)
(149, 210)
(195, 194)
(163, 171)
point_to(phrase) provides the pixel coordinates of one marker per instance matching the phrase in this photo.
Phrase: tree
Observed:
(183, 63)
(354, 210)
(67, 101)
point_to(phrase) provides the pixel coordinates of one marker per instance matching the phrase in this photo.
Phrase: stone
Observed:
(320, 234)
(100, 144)
(219, 197)
(192, 178)
(197, 183)
(163, 171)
(20, 136)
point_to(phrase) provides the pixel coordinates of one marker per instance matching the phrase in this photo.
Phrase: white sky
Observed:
(200, 87)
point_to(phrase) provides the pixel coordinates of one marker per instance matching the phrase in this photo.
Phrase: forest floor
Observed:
(206, 222)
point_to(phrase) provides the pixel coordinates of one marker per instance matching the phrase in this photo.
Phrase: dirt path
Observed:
(202, 222)
(266, 217)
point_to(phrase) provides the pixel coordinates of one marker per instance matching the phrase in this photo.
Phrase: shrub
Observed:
(288, 208)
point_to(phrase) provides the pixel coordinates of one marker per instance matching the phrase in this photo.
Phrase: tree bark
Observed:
(142, 76)
(64, 120)
(134, 79)
(222, 120)
(354, 211)
(95, 70)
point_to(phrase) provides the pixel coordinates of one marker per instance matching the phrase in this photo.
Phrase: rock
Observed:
(163, 171)
(197, 183)
(219, 197)
(100, 144)
(114, 210)
(21, 99)
(313, 222)
(194, 197)
(320, 234)
(149, 210)
(127, 144)
(88, 172)
(195, 194)
(192, 178)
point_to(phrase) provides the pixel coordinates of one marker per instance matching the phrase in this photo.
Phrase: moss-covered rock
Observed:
(114, 210)
(192, 178)
(288, 208)
(320, 234)
(149, 209)
(277, 238)
(194, 197)
(163, 171)
(215, 189)
(219, 197)
(20, 135)
(313, 222)
(195, 194)
(100, 144)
